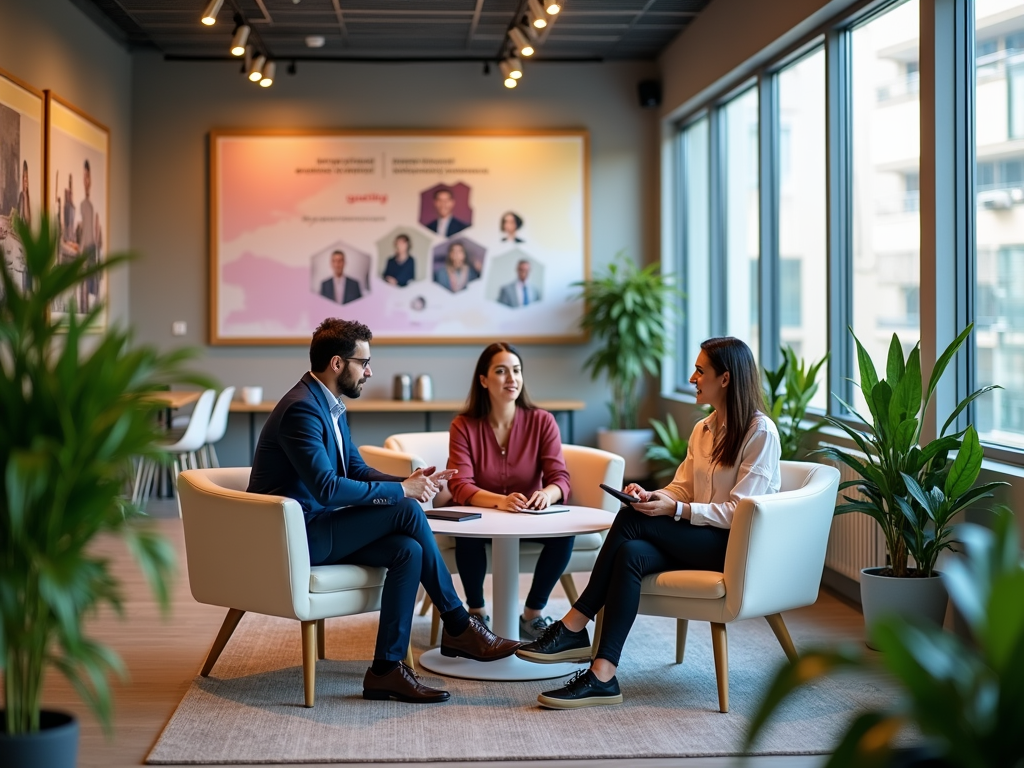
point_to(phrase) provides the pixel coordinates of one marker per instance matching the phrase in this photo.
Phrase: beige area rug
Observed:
(250, 710)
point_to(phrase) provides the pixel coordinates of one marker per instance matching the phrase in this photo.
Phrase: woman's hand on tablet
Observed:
(655, 504)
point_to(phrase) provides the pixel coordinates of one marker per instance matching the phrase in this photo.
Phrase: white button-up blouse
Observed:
(712, 490)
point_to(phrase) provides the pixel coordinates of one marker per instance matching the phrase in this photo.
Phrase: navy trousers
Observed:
(636, 546)
(397, 538)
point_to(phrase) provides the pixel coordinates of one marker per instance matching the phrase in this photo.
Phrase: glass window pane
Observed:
(742, 246)
(886, 162)
(999, 184)
(696, 268)
(803, 280)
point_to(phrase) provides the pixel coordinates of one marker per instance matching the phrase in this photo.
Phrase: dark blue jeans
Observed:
(471, 559)
(636, 546)
(397, 538)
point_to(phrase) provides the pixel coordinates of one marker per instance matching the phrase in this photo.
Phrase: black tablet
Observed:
(452, 515)
(625, 498)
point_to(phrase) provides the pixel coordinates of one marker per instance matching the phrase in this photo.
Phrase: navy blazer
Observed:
(297, 456)
(352, 290)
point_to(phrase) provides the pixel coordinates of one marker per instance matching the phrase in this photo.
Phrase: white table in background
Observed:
(505, 529)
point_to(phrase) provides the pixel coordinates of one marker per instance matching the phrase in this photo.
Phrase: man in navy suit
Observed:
(338, 287)
(445, 224)
(357, 515)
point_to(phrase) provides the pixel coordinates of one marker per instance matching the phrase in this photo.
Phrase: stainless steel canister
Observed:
(424, 389)
(402, 387)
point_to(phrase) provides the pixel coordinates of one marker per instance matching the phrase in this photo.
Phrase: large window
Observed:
(740, 137)
(999, 184)
(803, 286)
(885, 263)
(696, 243)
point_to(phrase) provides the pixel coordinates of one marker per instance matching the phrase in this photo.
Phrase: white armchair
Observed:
(248, 552)
(588, 468)
(773, 563)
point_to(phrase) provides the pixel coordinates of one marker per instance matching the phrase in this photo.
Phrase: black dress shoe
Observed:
(402, 684)
(558, 644)
(477, 643)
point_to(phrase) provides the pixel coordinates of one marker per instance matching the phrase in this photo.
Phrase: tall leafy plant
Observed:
(789, 390)
(74, 414)
(669, 448)
(627, 309)
(965, 698)
(913, 491)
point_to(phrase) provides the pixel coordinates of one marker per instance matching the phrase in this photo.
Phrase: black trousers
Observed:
(471, 558)
(397, 538)
(636, 546)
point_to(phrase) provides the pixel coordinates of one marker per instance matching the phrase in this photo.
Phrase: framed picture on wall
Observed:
(22, 110)
(78, 192)
(426, 237)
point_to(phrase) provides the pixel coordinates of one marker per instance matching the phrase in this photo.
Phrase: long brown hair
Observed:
(743, 396)
(478, 404)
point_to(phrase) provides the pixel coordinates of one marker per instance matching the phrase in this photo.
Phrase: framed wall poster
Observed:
(78, 191)
(22, 110)
(427, 237)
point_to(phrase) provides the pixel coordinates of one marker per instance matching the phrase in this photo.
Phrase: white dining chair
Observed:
(218, 427)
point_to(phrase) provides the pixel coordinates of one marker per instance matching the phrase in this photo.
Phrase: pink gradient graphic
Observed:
(244, 171)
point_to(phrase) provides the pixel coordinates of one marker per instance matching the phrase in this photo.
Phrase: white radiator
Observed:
(855, 541)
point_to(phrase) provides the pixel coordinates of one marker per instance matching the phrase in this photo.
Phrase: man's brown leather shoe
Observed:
(477, 643)
(402, 684)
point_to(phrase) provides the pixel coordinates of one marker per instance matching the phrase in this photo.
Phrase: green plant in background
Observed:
(914, 516)
(966, 698)
(627, 309)
(74, 414)
(789, 390)
(669, 450)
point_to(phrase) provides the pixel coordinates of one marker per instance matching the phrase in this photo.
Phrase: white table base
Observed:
(512, 668)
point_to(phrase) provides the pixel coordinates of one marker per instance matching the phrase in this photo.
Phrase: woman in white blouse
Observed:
(733, 453)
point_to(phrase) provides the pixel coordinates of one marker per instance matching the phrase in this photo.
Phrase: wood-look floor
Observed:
(163, 654)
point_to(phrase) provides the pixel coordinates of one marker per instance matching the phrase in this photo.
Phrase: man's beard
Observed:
(351, 388)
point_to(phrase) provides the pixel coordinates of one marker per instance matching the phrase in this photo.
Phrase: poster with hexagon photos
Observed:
(436, 238)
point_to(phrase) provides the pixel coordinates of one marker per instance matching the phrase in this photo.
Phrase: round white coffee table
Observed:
(505, 529)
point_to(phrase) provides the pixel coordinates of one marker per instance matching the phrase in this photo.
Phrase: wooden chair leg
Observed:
(720, 644)
(226, 629)
(570, 588)
(309, 661)
(681, 626)
(321, 640)
(435, 626)
(410, 662)
(425, 605)
(779, 628)
(598, 624)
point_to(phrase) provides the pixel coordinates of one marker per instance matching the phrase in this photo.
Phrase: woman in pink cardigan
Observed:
(508, 454)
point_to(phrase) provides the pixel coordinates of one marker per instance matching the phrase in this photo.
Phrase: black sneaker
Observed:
(556, 645)
(582, 690)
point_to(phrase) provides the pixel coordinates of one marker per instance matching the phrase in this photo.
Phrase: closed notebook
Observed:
(545, 511)
(452, 515)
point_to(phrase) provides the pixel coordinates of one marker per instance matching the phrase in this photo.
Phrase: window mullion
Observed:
(768, 190)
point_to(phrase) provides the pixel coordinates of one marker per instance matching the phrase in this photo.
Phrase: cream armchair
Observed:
(248, 552)
(773, 563)
(588, 468)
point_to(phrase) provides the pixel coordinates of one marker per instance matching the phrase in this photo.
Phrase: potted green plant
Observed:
(963, 697)
(75, 414)
(668, 450)
(912, 490)
(627, 310)
(788, 391)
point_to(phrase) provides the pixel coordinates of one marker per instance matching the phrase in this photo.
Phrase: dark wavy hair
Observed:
(743, 397)
(478, 404)
(335, 336)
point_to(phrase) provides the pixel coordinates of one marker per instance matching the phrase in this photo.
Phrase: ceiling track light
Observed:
(512, 67)
(268, 75)
(256, 70)
(209, 17)
(538, 18)
(239, 39)
(520, 41)
(552, 7)
(511, 82)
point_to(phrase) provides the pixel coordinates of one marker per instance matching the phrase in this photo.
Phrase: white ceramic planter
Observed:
(882, 596)
(631, 445)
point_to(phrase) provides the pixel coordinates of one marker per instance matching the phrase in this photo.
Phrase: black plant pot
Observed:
(54, 746)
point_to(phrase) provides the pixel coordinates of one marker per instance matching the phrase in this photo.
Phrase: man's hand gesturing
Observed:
(420, 485)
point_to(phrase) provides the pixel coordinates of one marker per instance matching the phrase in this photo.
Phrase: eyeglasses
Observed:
(363, 361)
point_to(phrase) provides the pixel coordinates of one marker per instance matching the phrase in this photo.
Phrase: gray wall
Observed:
(175, 104)
(51, 44)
